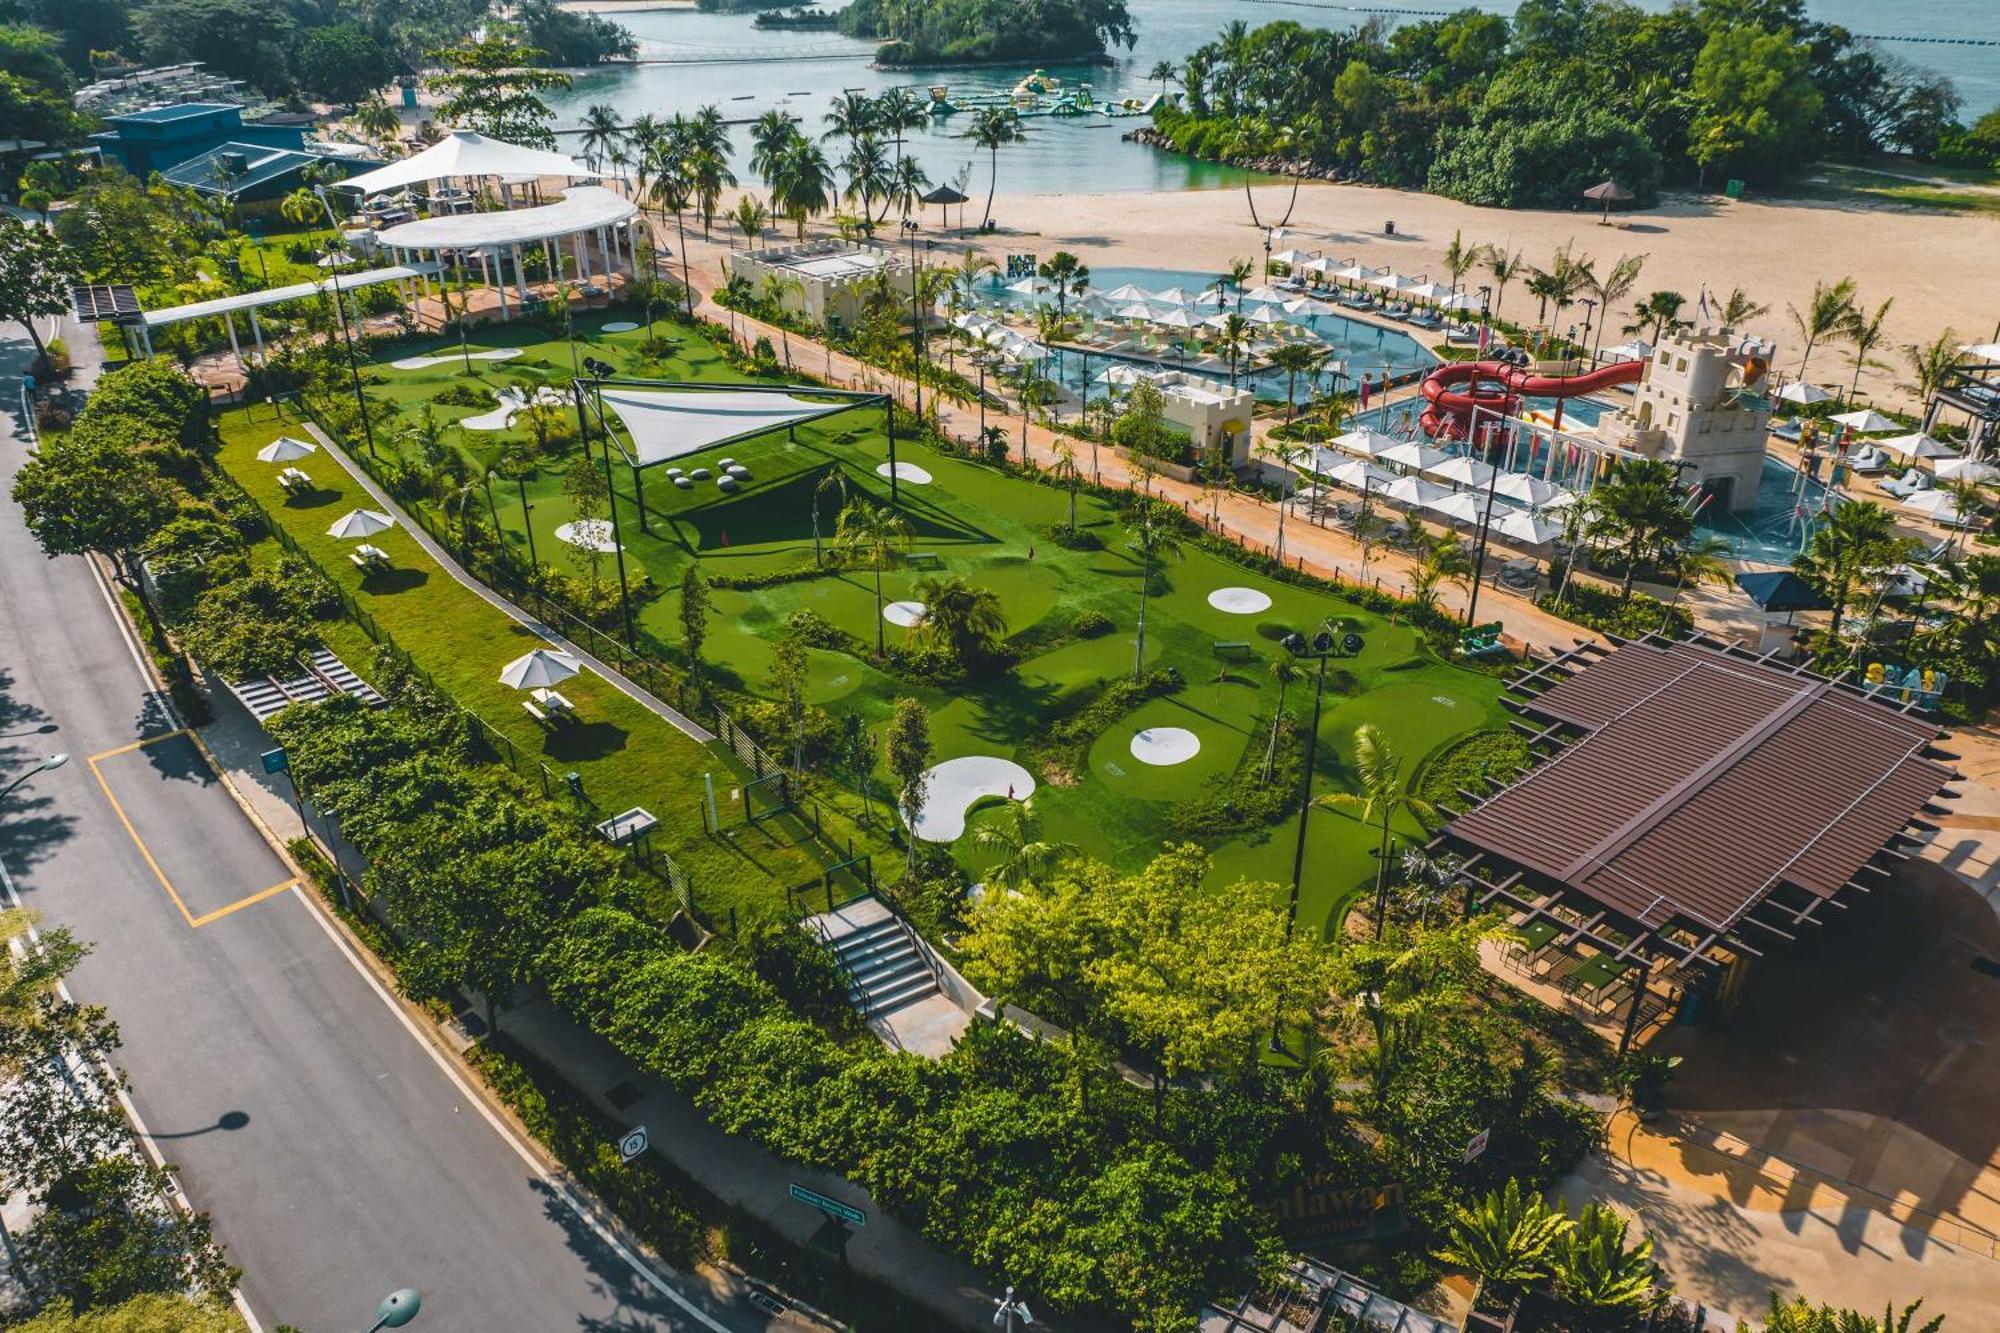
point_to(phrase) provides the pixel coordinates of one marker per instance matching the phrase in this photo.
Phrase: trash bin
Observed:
(1389, 228)
(1734, 189)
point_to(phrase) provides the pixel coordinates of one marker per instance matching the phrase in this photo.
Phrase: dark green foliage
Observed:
(1600, 609)
(341, 63)
(1467, 762)
(1061, 747)
(953, 31)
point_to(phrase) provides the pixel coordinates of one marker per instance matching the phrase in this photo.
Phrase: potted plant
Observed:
(1641, 1079)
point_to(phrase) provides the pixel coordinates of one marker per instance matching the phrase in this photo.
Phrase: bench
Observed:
(924, 560)
(1234, 650)
(361, 562)
(541, 718)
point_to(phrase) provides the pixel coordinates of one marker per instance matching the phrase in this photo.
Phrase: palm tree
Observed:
(1640, 508)
(1504, 1239)
(1286, 671)
(750, 217)
(867, 169)
(1659, 310)
(876, 537)
(1067, 276)
(802, 182)
(1864, 333)
(378, 120)
(1296, 359)
(773, 290)
(603, 133)
(1286, 454)
(1569, 276)
(1596, 1274)
(1234, 339)
(835, 480)
(962, 619)
(1460, 258)
(1702, 560)
(1738, 309)
(1613, 288)
(1439, 558)
(1504, 268)
(851, 117)
(709, 174)
(1236, 274)
(1165, 72)
(1026, 858)
(907, 184)
(1825, 314)
(1065, 471)
(643, 140)
(897, 111)
(993, 128)
(1857, 542)
(1149, 533)
(673, 192)
(1931, 364)
(770, 135)
(299, 207)
(1381, 796)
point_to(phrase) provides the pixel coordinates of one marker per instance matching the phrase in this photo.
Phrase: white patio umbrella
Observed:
(1428, 291)
(1527, 490)
(360, 523)
(286, 449)
(1290, 258)
(1121, 375)
(1392, 282)
(1134, 310)
(1028, 287)
(1024, 349)
(1414, 456)
(1462, 301)
(1939, 505)
(1529, 529)
(1267, 295)
(1805, 395)
(1354, 273)
(1414, 491)
(1462, 507)
(1304, 305)
(1918, 445)
(1216, 321)
(1365, 441)
(1461, 471)
(1264, 317)
(539, 669)
(1360, 475)
(1636, 350)
(1320, 265)
(1093, 305)
(1177, 319)
(1966, 469)
(1865, 421)
(1127, 292)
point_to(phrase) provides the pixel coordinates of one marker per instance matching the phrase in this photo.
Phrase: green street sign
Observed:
(275, 761)
(831, 1207)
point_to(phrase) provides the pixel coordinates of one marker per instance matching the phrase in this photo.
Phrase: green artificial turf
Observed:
(991, 527)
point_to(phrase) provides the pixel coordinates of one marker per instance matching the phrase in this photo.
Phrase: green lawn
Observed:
(990, 527)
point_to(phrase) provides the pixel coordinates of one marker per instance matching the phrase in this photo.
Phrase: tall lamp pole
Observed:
(1011, 1313)
(916, 316)
(48, 765)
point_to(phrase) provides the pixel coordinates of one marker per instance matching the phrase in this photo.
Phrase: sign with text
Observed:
(833, 1208)
(632, 1143)
(1477, 1144)
(275, 761)
(1322, 1210)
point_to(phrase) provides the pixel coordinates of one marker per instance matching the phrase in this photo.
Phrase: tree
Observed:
(1067, 276)
(1460, 258)
(993, 128)
(801, 181)
(906, 753)
(1505, 268)
(1640, 508)
(1757, 101)
(36, 270)
(1505, 1239)
(1233, 339)
(341, 63)
(1597, 1274)
(1800, 1316)
(1701, 560)
(963, 620)
(1612, 288)
(1025, 856)
(589, 497)
(1864, 333)
(1295, 359)
(750, 217)
(1150, 532)
(1286, 672)
(154, 1312)
(1738, 309)
(1931, 365)
(1827, 313)
(850, 116)
(491, 85)
(1065, 471)
(856, 756)
(603, 133)
(789, 670)
(1439, 557)
(1659, 311)
(112, 1236)
(694, 617)
(1856, 543)
(875, 537)
(1380, 797)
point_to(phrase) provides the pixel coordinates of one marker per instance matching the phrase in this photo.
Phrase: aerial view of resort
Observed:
(1266, 666)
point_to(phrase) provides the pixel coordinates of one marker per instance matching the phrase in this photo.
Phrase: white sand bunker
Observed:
(592, 534)
(620, 326)
(905, 614)
(458, 358)
(909, 472)
(951, 788)
(1163, 747)
(512, 403)
(1239, 601)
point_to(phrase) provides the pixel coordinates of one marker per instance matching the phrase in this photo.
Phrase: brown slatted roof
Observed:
(1704, 781)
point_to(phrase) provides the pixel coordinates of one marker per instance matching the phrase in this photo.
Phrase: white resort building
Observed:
(825, 282)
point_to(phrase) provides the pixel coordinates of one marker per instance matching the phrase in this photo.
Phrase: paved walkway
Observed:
(686, 725)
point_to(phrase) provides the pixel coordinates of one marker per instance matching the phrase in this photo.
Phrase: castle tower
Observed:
(1701, 403)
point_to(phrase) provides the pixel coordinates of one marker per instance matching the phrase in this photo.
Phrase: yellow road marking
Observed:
(194, 922)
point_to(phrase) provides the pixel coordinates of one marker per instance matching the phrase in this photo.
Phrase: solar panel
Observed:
(117, 303)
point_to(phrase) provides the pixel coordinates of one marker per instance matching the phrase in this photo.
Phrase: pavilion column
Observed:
(229, 321)
(582, 258)
(520, 275)
(549, 255)
(1638, 1002)
(257, 332)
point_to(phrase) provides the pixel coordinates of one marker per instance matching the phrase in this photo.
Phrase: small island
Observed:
(798, 17)
(973, 32)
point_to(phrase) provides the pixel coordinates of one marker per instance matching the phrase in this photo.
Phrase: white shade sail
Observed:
(1365, 441)
(1917, 446)
(1414, 456)
(666, 424)
(1414, 491)
(360, 523)
(286, 449)
(1518, 525)
(539, 669)
(467, 153)
(1461, 471)
(1461, 507)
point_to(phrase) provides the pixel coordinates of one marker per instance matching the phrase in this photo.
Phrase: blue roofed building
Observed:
(245, 173)
(164, 136)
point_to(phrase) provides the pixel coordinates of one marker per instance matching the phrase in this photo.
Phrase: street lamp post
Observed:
(910, 228)
(1011, 1313)
(48, 765)
(398, 1308)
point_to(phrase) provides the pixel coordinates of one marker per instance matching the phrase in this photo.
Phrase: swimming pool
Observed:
(1359, 348)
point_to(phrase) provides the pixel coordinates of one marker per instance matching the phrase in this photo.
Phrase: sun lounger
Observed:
(1867, 461)
(1907, 485)
(1787, 430)
(1429, 322)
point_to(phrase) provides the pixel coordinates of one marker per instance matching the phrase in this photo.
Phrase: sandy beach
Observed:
(1942, 270)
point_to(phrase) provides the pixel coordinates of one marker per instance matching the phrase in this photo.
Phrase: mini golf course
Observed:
(1212, 620)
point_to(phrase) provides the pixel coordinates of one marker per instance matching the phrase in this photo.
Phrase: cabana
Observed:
(587, 212)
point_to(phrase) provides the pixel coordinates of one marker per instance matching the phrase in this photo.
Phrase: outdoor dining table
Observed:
(1536, 934)
(553, 701)
(369, 557)
(1596, 974)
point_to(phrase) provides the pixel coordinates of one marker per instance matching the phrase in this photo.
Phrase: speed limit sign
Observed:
(632, 1143)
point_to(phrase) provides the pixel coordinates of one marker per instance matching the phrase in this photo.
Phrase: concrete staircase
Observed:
(878, 953)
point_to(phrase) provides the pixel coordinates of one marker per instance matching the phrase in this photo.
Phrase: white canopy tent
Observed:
(584, 211)
(468, 153)
(665, 424)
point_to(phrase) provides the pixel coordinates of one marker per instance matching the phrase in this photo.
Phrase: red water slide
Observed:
(1494, 387)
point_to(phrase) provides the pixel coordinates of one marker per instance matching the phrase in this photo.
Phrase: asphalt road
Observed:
(337, 1153)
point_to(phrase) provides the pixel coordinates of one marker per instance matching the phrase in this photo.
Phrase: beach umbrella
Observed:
(1290, 258)
(1359, 475)
(1028, 287)
(1781, 590)
(1134, 310)
(1918, 445)
(1798, 391)
(1365, 441)
(1428, 291)
(1414, 491)
(1172, 296)
(286, 449)
(1264, 317)
(1304, 305)
(540, 669)
(1093, 304)
(944, 196)
(1354, 273)
(1518, 525)
(1121, 375)
(1176, 319)
(1965, 469)
(1266, 295)
(1939, 505)
(1865, 421)
(1636, 350)
(1982, 351)
(1608, 193)
(1126, 292)
(360, 523)
(1414, 456)
(1389, 281)
(1462, 301)
(1216, 321)
(1527, 490)
(1461, 507)
(1461, 471)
